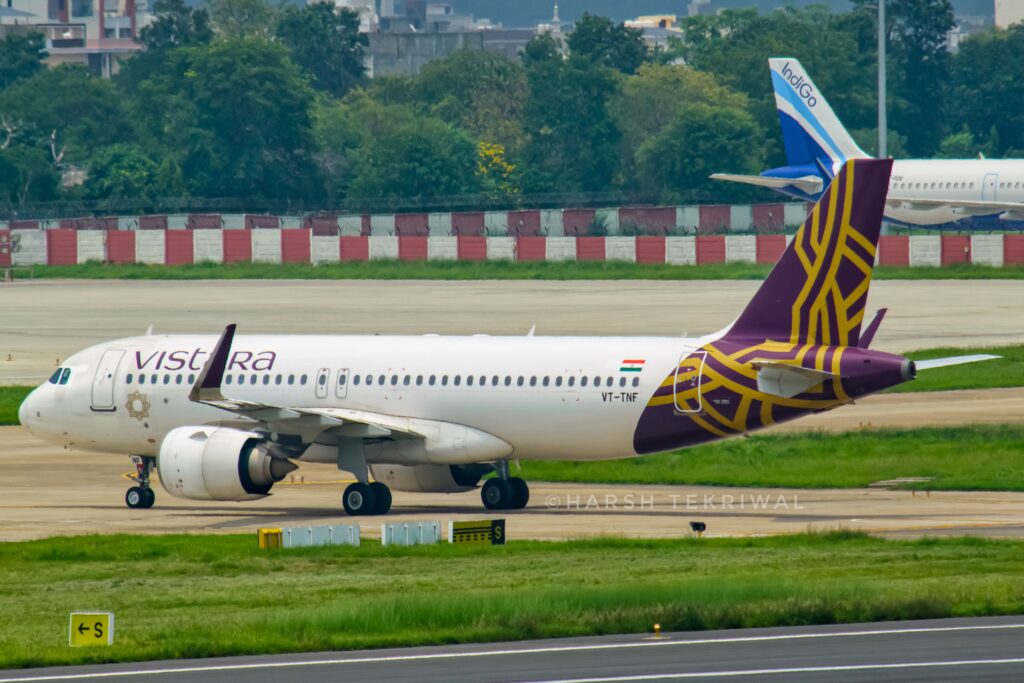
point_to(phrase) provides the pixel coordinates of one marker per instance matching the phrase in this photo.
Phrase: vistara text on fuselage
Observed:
(224, 418)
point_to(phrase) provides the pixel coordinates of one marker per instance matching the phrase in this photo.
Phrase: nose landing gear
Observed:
(141, 497)
(504, 492)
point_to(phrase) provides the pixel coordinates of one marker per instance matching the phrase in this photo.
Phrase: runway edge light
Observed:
(91, 629)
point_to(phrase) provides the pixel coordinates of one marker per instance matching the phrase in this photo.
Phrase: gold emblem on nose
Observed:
(137, 405)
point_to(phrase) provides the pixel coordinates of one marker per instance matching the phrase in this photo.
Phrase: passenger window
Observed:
(191, 379)
(636, 381)
(546, 381)
(55, 377)
(303, 379)
(142, 379)
(252, 379)
(494, 381)
(533, 381)
(167, 379)
(278, 379)
(609, 382)
(558, 381)
(152, 379)
(419, 380)
(508, 380)
(394, 380)
(433, 380)
(369, 380)
(266, 380)
(227, 379)
(177, 379)
(483, 380)
(355, 380)
(458, 380)
(380, 379)
(469, 380)
(444, 380)
(622, 381)
(583, 381)
(127, 378)
(597, 381)
(406, 380)
(519, 381)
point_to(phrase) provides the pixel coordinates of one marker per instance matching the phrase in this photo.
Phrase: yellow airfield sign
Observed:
(91, 629)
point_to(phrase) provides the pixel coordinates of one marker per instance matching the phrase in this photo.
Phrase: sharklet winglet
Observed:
(207, 386)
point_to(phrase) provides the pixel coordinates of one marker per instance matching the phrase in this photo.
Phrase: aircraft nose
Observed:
(27, 410)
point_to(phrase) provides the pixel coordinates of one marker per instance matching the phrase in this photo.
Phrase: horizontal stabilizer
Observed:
(952, 360)
(809, 184)
(787, 380)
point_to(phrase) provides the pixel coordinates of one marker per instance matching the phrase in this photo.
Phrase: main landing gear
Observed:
(504, 492)
(366, 499)
(141, 497)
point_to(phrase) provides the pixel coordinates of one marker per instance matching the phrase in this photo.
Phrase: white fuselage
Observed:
(992, 180)
(563, 398)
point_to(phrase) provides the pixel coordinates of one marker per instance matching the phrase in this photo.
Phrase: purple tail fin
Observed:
(817, 291)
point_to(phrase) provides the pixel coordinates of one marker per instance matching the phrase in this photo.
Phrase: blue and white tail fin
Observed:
(811, 131)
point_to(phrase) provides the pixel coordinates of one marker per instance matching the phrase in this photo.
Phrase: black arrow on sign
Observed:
(82, 628)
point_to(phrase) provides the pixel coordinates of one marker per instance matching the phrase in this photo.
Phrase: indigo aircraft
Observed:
(225, 418)
(937, 194)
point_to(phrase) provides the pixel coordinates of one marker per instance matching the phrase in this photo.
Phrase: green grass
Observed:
(198, 596)
(10, 399)
(981, 457)
(1006, 371)
(488, 270)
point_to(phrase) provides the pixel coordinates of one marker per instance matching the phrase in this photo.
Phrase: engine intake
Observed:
(218, 463)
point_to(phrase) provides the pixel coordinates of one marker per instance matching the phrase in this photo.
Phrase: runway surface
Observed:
(951, 649)
(47, 320)
(45, 491)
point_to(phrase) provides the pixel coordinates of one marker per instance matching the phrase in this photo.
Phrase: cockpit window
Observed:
(65, 375)
(56, 375)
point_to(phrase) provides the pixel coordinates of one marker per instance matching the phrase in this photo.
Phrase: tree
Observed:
(125, 171)
(422, 159)
(984, 91)
(235, 19)
(20, 57)
(604, 42)
(960, 145)
(326, 43)
(176, 25)
(703, 139)
(478, 91)
(920, 62)
(27, 174)
(573, 140)
(653, 98)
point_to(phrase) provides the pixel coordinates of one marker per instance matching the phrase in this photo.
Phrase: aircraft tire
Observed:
(381, 497)
(150, 498)
(135, 497)
(358, 499)
(496, 494)
(520, 493)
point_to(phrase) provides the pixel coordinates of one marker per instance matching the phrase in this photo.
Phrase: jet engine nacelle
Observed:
(218, 463)
(430, 478)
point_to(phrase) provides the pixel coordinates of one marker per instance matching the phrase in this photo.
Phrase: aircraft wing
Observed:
(810, 184)
(969, 206)
(304, 422)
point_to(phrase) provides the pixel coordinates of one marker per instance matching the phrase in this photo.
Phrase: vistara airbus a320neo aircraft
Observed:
(224, 419)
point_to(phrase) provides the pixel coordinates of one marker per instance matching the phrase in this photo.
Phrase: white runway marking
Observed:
(556, 649)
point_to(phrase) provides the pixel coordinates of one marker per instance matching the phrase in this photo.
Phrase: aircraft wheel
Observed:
(149, 499)
(496, 494)
(358, 499)
(136, 498)
(520, 493)
(381, 497)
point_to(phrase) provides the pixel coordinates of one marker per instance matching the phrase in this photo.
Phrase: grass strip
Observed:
(977, 457)
(201, 596)
(10, 398)
(481, 270)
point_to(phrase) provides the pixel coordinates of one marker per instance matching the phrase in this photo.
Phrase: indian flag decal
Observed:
(632, 366)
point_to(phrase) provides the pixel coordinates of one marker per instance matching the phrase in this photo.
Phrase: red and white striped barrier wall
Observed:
(30, 245)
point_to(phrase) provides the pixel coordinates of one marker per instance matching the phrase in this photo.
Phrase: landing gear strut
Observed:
(362, 497)
(141, 497)
(504, 492)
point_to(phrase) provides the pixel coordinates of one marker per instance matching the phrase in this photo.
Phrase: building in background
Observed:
(1009, 12)
(93, 33)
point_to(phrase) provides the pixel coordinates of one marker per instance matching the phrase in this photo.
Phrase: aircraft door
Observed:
(687, 385)
(988, 187)
(103, 381)
(341, 388)
(323, 376)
